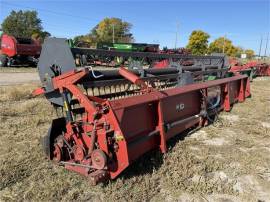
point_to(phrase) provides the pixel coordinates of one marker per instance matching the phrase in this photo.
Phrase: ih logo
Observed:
(180, 107)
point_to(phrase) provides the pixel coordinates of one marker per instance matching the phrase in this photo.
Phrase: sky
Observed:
(243, 22)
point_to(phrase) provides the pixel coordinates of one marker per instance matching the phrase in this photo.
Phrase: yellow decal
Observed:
(119, 136)
(65, 106)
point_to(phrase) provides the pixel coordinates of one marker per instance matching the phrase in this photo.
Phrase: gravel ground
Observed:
(24, 75)
(15, 78)
(18, 75)
(227, 161)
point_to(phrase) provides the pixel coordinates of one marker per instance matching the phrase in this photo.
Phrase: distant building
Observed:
(243, 56)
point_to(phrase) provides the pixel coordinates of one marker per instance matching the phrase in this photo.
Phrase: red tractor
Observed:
(18, 51)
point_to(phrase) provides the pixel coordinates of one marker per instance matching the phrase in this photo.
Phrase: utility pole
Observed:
(260, 47)
(266, 45)
(223, 48)
(176, 33)
(113, 32)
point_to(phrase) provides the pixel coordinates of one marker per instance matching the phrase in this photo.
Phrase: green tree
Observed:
(249, 53)
(40, 35)
(78, 39)
(109, 27)
(22, 24)
(198, 42)
(223, 44)
(104, 31)
(240, 50)
(84, 41)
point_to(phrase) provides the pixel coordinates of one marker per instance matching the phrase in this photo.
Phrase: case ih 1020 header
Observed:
(112, 117)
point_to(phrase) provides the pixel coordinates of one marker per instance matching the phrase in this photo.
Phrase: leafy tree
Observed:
(103, 32)
(22, 23)
(198, 42)
(40, 35)
(249, 53)
(78, 39)
(221, 43)
(84, 40)
(240, 50)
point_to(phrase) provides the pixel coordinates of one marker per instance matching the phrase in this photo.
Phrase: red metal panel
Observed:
(8, 45)
(161, 128)
(140, 146)
(181, 106)
(204, 85)
(247, 87)
(11, 47)
(234, 88)
(122, 158)
(177, 130)
(161, 64)
(138, 120)
(28, 49)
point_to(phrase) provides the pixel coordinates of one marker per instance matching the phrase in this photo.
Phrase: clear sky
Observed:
(244, 22)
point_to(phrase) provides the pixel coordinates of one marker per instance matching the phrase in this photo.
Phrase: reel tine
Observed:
(98, 88)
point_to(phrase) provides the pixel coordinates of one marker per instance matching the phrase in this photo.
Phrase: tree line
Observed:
(27, 24)
(108, 30)
(199, 44)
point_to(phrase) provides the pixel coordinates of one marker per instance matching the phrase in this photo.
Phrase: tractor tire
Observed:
(3, 60)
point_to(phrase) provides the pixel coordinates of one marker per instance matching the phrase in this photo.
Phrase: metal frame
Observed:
(57, 59)
(203, 61)
(109, 136)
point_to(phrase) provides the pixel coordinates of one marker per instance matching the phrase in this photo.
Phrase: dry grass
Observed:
(226, 161)
(15, 93)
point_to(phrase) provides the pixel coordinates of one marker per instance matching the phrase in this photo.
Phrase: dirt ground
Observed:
(23, 75)
(227, 161)
(18, 75)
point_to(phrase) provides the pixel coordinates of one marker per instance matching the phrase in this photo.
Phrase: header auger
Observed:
(112, 117)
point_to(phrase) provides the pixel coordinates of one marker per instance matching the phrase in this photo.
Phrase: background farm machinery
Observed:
(251, 68)
(129, 47)
(107, 54)
(18, 51)
(112, 117)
